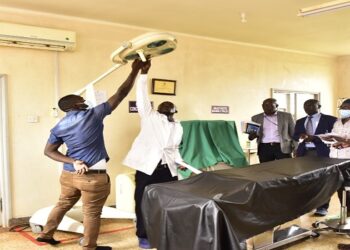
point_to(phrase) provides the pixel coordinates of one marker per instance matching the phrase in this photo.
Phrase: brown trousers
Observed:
(94, 190)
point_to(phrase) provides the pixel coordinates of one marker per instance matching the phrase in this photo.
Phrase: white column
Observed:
(5, 192)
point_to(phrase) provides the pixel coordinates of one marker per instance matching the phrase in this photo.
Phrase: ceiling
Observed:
(272, 23)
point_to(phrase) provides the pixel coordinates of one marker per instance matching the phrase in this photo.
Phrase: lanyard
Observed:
(267, 118)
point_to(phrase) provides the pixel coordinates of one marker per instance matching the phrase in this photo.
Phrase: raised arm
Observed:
(125, 88)
(142, 99)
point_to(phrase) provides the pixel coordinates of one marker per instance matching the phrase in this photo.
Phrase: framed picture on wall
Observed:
(163, 86)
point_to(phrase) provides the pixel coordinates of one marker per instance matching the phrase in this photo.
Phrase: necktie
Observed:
(309, 127)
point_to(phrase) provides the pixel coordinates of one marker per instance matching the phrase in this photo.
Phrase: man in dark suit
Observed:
(310, 145)
(274, 137)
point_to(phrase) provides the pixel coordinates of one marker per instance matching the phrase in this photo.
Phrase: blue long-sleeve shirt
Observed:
(82, 132)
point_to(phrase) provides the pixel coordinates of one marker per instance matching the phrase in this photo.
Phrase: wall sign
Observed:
(220, 109)
(133, 107)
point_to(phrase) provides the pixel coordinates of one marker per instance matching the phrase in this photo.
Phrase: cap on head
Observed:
(167, 108)
(346, 101)
(345, 104)
(69, 102)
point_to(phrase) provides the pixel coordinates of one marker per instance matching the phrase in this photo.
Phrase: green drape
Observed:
(205, 143)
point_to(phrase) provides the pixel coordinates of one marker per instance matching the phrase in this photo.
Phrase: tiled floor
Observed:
(120, 234)
(326, 241)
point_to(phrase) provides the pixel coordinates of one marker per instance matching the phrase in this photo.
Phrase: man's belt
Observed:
(271, 143)
(161, 166)
(310, 149)
(96, 171)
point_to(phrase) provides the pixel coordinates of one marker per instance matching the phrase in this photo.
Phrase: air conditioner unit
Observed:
(16, 35)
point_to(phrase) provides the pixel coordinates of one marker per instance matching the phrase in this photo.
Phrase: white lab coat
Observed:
(158, 138)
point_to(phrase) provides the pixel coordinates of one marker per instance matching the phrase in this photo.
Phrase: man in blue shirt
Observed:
(84, 174)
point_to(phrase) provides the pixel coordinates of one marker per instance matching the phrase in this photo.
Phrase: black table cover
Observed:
(220, 210)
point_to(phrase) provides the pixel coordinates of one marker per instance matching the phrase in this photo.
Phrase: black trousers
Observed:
(270, 152)
(313, 152)
(160, 175)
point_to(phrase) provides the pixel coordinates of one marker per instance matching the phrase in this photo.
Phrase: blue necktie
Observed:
(309, 127)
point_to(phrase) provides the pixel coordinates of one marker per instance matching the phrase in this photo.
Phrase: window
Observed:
(293, 101)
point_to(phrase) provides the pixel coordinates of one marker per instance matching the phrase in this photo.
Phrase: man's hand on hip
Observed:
(80, 167)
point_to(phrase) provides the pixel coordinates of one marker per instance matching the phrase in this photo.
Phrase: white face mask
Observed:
(344, 113)
(173, 110)
(89, 104)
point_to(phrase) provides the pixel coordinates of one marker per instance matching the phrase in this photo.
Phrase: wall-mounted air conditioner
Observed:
(16, 35)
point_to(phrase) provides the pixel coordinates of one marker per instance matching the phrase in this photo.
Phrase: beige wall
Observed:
(208, 72)
(343, 73)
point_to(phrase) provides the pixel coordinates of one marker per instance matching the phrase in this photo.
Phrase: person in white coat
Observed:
(154, 153)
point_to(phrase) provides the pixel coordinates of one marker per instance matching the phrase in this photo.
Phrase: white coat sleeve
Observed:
(178, 157)
(143, 102)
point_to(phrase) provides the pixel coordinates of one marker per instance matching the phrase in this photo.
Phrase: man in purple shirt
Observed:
(84, 174)
(275, 136)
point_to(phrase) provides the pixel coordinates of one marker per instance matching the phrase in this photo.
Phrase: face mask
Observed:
(173, 110)
(344, 113)
(85, 105)
(88, 104)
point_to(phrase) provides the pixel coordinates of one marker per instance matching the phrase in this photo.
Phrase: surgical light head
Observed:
(146, 46)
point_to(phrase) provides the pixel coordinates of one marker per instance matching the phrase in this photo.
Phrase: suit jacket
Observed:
(324, 125)
(285, 128)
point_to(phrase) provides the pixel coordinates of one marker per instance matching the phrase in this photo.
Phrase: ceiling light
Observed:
(329, 6)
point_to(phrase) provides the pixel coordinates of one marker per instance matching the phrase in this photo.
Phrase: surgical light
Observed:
(325, 7)
(149, 45)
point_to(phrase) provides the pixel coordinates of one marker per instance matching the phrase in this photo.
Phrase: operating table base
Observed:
(285, 236)
(339, 225)
(334, 225)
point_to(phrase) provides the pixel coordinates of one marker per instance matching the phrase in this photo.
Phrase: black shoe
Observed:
(344, 246)
(321, 212)
(103, 248)
(50, 241)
